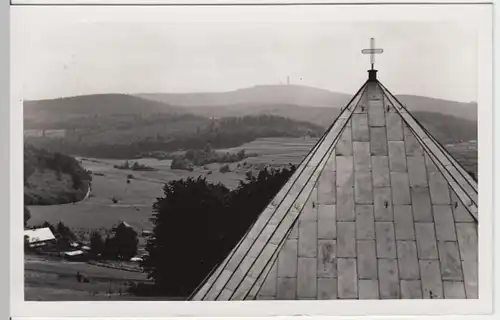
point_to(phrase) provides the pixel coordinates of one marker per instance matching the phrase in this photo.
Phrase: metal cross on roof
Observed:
(372, 51)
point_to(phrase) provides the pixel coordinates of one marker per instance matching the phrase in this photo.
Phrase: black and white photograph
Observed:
(219, 154)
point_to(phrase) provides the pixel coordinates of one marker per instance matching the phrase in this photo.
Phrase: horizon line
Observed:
(137, 94)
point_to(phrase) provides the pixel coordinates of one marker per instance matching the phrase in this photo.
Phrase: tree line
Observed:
(219, 133)
(199, 157)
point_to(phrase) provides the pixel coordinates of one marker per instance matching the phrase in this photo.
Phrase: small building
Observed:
(147, 233)
(136, 259)
(76, 255)
(39, 237)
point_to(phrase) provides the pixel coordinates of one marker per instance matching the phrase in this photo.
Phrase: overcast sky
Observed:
(69, 51)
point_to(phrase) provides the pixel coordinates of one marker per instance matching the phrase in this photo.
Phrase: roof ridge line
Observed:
(450, 158)
(472, 207)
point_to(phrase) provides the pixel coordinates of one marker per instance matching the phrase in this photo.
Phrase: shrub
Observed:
(135, 166)
(181, 164)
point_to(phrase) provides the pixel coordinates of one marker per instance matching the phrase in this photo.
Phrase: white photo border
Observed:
(481, 15)
(237, 2)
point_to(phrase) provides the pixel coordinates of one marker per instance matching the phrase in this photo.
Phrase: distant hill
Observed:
(125, 125)
(97, 104)
(257, 95)
(291, 101)
(90, 107)
(283, 99)
(446, 128)
(52, 178)
(457, 109)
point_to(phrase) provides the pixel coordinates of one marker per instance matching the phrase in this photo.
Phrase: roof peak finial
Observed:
(372, 51)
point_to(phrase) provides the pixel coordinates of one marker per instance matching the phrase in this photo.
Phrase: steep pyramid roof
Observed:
(377, 210)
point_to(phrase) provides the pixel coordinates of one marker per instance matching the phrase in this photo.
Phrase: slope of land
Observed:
(457, 109)
(95, 104)
(53, 178)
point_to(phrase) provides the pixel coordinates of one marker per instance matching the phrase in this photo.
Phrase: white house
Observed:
(39, 237)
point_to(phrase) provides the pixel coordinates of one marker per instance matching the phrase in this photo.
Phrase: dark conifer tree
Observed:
(198, 223)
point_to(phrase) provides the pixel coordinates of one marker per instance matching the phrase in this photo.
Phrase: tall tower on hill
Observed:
(377, 210)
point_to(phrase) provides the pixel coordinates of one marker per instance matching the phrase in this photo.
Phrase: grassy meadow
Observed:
(136, 198)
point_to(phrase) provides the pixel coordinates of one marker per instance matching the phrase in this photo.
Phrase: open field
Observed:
(136, 198)
(53, 279)
(279, 151)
